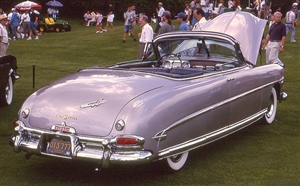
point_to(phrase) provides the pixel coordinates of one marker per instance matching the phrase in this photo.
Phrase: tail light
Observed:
(16, 124)
(127, 141)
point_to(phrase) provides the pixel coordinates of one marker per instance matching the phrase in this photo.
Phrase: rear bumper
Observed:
(103, 152)
(283, 96)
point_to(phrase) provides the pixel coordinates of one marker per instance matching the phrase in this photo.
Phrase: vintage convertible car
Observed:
(190, 89)
(8, 69)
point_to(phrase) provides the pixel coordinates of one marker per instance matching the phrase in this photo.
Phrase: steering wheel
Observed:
(159, 63)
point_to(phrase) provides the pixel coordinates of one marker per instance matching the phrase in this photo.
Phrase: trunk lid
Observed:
(88, 101)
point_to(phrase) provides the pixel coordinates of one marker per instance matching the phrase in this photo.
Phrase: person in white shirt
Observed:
(133, 11)
(290, 23)
(3, 35)
(210, 9)
(92, 19)
(128, 25)
(50, 12)
(160, 10)
(25, 21)
(87, 17)
(261, 8)
(99, 18)
(153, 18)
(145, 36)
(199, 16)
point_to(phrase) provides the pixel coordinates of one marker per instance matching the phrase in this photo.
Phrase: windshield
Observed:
(197, 47)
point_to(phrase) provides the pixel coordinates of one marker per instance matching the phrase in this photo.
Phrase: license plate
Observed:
(59, 147)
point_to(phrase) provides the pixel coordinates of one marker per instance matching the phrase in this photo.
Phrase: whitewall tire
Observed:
(7, 92)
(176, 162)
(272, 107)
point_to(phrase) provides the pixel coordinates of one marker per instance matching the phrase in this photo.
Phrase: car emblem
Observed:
(94, 103)
(65, 117)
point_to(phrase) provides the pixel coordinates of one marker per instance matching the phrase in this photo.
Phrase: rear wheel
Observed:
(57, 29)
(42, 28)
(177, 162)
(68, 29)
(6, 92)
(272, 107)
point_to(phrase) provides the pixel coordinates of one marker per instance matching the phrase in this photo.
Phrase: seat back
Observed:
(48, 21)
(51, 20)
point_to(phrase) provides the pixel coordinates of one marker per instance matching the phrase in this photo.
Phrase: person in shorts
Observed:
(133, 12)
(33, 24)
(110, 17)
(99, 19)
(128, 24)
(268, 6)
(25, 20)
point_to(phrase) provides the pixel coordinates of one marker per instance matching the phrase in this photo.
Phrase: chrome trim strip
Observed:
(197, 34)
(210, 137)
(207, 109)
(213, 73)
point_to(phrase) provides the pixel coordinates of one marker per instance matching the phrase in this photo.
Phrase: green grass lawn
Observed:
(258, 155)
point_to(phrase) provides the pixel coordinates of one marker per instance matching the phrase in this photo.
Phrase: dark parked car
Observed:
(191, 89)
(49, 24)
(8, 69)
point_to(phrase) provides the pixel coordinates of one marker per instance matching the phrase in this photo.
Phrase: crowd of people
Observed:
(91, 18)
(15, 25)
(194, 15)
(21, 25)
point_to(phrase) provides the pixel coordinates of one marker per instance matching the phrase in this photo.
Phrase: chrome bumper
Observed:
(283, 96)
(103, 152)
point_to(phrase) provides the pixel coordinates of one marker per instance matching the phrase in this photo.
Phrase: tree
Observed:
(76, 8)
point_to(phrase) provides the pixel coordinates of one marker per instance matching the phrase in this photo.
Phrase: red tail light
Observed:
(15, 124)
(126, 141)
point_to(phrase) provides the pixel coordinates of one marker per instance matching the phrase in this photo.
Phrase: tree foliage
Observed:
(76, 8)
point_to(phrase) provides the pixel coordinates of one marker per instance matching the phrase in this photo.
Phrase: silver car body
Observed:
(161, 107)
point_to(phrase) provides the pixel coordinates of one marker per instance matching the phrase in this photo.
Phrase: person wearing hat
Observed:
(167, 23)
(3, 35)
(160, 10)
(181, 19)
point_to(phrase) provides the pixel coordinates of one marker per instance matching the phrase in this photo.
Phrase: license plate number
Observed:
(59, 146)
